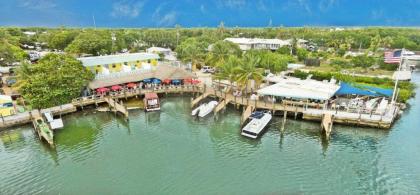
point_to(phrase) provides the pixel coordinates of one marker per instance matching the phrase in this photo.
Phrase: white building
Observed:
(167, 52)
(256, 43)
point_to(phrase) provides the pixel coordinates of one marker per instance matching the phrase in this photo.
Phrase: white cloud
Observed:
(168, 19)
(305, 5)
(37, 4)
(261, 5)
(202, 8)
(126, 8)
(232, 4)
(324, 5)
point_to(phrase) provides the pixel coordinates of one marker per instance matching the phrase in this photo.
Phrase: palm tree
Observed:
(227, 70)
(248, 71)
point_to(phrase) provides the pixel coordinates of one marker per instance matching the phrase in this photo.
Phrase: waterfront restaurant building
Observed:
(122, 69)
(106, 65)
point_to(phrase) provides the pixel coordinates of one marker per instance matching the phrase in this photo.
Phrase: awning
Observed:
(357, 89)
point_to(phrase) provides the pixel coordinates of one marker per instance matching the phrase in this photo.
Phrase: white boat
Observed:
(204, 109)
(196, 110)
(382, 106)
(255, 127)
(371, 104)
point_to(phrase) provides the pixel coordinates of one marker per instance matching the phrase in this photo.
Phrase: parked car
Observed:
(10, 81)
(207, 69)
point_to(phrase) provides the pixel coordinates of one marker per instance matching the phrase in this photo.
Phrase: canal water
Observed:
(169, 152)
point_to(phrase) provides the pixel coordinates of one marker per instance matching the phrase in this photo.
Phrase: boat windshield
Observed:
(257, 115)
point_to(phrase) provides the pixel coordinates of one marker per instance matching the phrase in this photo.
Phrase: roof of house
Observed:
(158, 49)
(119, 58)
(257, 41)
(300, 89)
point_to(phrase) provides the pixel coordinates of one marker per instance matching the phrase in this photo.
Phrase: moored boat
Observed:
(44, 131)
(204, 109)
(259, 120)
(151, 102)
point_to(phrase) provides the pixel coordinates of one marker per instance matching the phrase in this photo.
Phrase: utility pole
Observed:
(394, 94)
(94, 22)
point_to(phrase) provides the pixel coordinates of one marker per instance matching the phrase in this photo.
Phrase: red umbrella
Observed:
(188, 80)
(131, 85)
(195, 81)
(167, 81)
(102, 90)
(116, 88)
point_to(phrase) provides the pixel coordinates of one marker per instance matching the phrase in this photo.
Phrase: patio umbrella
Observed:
(167, 81)
(131, 85)
(147, 80)
(176, 82)
(195, 81)
(156, 81)
(116, 88)
(102, 90)
(187, 80)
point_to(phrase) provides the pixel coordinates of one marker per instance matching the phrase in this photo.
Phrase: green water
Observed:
(169, 152)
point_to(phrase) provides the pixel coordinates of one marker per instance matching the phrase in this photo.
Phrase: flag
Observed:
(392, 57)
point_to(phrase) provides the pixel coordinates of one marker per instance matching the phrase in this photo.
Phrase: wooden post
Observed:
(284, 120)
(2, 119)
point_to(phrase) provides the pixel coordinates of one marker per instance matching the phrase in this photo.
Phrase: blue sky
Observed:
(196, 13)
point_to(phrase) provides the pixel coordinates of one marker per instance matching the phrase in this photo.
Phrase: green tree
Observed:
(93, 42)
(249, 70)
(363, 61)
(221, 51)
(302, 54)
(192, 50)
(228, 69)
(56, 79)
(285, 50)
(61, 40)
(10, 53)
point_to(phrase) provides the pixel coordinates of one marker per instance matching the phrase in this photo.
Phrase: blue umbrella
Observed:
(147, 80)
(176, 82)
(156, 81)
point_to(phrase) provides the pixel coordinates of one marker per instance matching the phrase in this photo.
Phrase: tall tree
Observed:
(220, 52)
(56, 79)
(192, 50)
(249, 71)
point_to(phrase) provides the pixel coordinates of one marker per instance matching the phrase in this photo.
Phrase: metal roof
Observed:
(119, 58)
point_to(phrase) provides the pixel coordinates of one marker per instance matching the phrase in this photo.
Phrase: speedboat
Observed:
(204, 109)
(259, 120)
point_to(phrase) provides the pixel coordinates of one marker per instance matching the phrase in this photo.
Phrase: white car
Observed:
(207, 69)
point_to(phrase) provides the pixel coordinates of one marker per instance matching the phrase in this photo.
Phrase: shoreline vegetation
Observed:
(201, 47)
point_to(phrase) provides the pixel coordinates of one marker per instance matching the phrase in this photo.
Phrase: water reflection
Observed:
(10, 138)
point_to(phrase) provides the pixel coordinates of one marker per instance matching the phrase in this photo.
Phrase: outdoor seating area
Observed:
(150, 83)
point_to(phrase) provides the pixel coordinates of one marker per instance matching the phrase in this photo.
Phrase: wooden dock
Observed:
(222, 104)
(327, 124)
(247, 113)
(117, 107)
(195, 101)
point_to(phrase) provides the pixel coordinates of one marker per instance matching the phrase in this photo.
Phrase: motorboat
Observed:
(204, 109)
(382, 106)
(151, 102)
(259, 120)
(371, 104)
